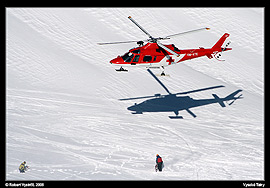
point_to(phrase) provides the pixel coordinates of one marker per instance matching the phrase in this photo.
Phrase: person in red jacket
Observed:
(159, 162)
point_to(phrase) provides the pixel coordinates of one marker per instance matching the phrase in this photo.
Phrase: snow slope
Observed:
(64, 116)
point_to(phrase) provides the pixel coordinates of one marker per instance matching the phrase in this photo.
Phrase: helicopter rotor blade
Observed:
(131, 19)
(121, 42)
(186, 32)
(167, 49)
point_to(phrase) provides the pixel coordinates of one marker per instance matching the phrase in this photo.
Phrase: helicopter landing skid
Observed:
(121, 69)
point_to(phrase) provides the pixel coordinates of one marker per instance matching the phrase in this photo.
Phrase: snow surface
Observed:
(63, 112)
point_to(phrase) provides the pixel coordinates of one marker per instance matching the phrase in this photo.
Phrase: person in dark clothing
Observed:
(159, 162)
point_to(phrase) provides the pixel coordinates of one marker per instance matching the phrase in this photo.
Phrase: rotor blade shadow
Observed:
(198, 90)
(145, 97)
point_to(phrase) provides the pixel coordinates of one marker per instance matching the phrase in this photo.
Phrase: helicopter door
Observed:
(136, 58)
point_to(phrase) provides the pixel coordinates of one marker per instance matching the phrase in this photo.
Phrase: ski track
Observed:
(63, 111)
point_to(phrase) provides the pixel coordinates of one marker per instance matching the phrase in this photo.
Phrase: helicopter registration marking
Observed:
(193, 54)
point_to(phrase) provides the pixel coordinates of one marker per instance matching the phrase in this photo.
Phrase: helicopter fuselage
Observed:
(152, 56)
(157, 55)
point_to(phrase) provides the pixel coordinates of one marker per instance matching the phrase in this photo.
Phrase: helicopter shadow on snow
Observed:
(175, 103)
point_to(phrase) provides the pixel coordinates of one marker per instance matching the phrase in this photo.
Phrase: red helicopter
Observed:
(156, 55)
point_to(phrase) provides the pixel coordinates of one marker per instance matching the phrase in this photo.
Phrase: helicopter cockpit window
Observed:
(128, 57)
(147, 58)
